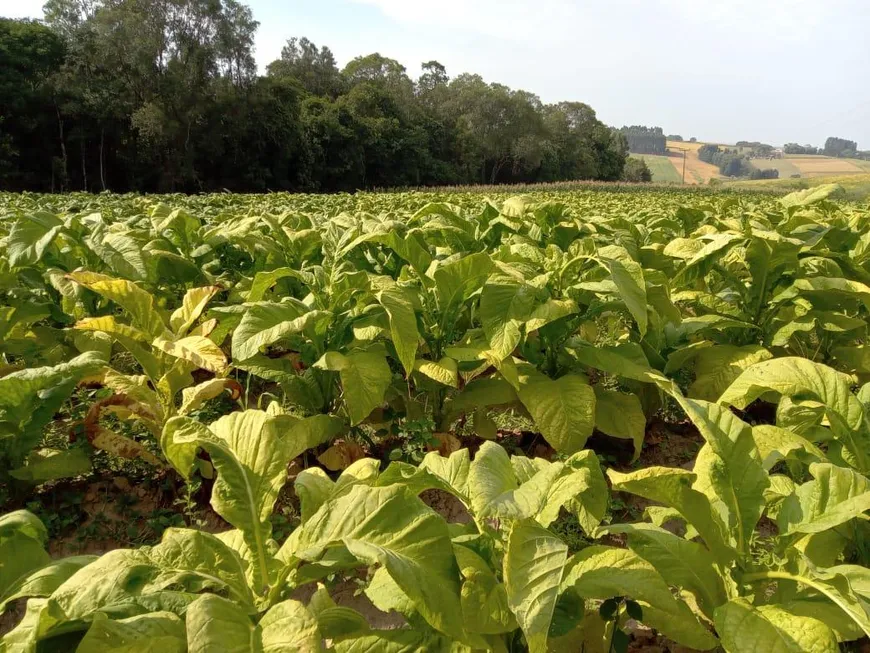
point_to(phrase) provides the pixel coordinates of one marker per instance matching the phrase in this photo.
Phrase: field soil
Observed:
(697, 171)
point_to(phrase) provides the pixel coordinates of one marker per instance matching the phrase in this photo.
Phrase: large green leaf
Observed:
(265, 323)
(403, 325)
(265, 280)
(775, 444)
(505, 305)
(620, 415)
(533, 567)
(22, 550)
(480, 393)
(673, 488)
(453, 470)
(30, 236)
(198, 560)
(41, 581)
(563, 410)
(810, 195)
(627, 274)
(744, 628)
(523, 488)
(29, 399)
(729, 469)
(601, 572)
(490, 475)
(458, 280)
(716, 368)
(49, 465)
(391, 527)
(156, 632)
(444, 371)
(250, 453)
(680, 562)
(834, 496)
(215, 624)
(799, 377)
(485, 606)
(365, 377)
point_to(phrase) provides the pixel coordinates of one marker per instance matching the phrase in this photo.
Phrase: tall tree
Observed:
(315, 69)
(29, 143)
(163, 95)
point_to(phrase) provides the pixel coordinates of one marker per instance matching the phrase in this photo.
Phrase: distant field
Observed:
(662, 167)
(813, 165)
(857, 186)
(825, 166)
(697, 171)
(786, 167)
(684, 145)
(808, 166)
(860, 163)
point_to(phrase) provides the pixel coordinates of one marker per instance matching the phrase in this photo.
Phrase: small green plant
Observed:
(613, 613)
(417, 438)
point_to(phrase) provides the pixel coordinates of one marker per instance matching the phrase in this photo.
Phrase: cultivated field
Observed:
(855, 187)
(860, 163)
(697, 171)
(819, 166)
(664, 169)
(449, 421)
(786, 167)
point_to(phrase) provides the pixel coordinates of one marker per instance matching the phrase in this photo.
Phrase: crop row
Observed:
(342, 324)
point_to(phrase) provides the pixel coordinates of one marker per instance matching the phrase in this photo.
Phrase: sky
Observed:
(721, 70)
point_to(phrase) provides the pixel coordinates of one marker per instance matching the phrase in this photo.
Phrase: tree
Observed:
(434, 77)
(165, 96)
(767, 173)
(31, 155)
(315, 69)
(840, 147)
(794, 148)
(645, 140)
(707, 152)
(636, 170)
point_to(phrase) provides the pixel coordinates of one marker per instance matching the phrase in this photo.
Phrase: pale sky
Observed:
(720, 70)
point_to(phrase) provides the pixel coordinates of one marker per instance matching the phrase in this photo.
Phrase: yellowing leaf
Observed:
(341, 455)
(200, 351)
(444, 371)
(123, 447)
(192, 306)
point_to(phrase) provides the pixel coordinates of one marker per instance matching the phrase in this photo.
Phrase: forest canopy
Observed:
(146, 96)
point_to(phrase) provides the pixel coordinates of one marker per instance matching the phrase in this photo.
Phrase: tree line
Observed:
(645, 140)
(834, 146)
(133, 95)
(732, 163)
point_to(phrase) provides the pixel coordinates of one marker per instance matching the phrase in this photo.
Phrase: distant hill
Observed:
(669, 167)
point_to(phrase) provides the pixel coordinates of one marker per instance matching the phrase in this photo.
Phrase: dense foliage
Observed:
(636, 170)
(764, 173)
(645, 140)
(371, 331)
(127, 95)
(840, 147)
(731, 162)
